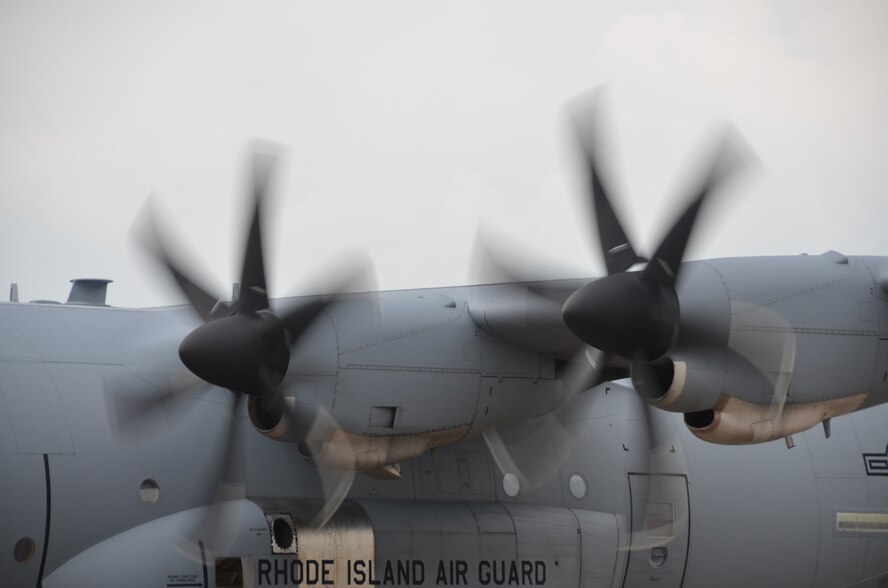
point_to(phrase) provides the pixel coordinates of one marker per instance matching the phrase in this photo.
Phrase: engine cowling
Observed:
(736, 422)
(348, 451)
(680, 385)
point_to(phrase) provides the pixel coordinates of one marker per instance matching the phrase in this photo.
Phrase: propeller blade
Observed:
(206, 305)
(539, 454)
(770, 353)
(619, 255)
(352, 273)
(664, 266)
(499, 260)
(233, 471)
(253, 288)
(143, 397)
(142, 412)
(323, 437)
(216, 529)
(665, 459)
(584, 372)
(335, 485)
(248, 351)
(298, 318)
(629, 313)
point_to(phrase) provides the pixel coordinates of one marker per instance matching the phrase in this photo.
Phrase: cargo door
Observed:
(660, 530)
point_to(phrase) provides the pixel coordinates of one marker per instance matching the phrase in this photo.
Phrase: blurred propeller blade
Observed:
(245, 348)
(233, 471)
(629, 314)
(155, 241)
(539, 454)
(665, 263)
(619, 255)
(496, 259)
(143, 396)
(770, 352)
(354, 273)
(323, 438)
(253, 287)
(216, 529)
(142, 410)
(665, 461)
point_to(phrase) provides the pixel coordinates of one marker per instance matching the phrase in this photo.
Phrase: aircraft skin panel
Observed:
(36, 410)
(783, 505)
(861, 553)
(601, 558)
(660, 530)
(121, 560)
(813, 303)
(879, 392)
(23, 508)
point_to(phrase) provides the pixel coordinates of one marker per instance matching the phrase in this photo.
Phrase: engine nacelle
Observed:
(736, 422)
(340, 449)
(680, 385)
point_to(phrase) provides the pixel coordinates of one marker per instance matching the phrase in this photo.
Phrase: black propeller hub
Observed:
(247, 353)
(623, 314)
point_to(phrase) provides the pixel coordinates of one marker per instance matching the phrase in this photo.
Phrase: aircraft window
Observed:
(862, 522)
(660, 520)
(23, 550)
(149, 491)
(577, 486)
(511, 486)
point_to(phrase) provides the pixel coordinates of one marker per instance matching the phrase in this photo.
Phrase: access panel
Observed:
(660, 531)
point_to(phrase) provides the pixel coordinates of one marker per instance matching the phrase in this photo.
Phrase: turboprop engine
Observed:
(717, 340)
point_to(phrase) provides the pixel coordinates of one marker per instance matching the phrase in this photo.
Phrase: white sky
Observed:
(408, 122)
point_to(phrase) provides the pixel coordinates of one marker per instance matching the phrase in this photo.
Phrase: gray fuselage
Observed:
(412, 363)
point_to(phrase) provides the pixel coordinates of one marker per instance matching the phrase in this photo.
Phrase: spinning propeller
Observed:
(244, 347)
(627, 317)
(635, 315)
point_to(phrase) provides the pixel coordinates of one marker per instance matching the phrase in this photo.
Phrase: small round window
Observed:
(149, 491)
(511, 485)
(23, 550)
(577, 486)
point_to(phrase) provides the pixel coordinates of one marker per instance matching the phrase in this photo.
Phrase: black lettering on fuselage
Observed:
(511, 573)
(280, 571)
(264, 572)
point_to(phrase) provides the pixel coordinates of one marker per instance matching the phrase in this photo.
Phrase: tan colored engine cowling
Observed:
(736, 422)
(342, 450)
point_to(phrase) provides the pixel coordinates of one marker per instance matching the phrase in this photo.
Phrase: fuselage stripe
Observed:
(46, 527)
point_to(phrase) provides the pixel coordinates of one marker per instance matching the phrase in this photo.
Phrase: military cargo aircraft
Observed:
(716, 423)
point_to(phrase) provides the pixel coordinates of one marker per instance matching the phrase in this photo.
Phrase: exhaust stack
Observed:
(88, 291)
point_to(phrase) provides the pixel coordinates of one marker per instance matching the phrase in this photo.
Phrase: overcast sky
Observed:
(407, 123)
